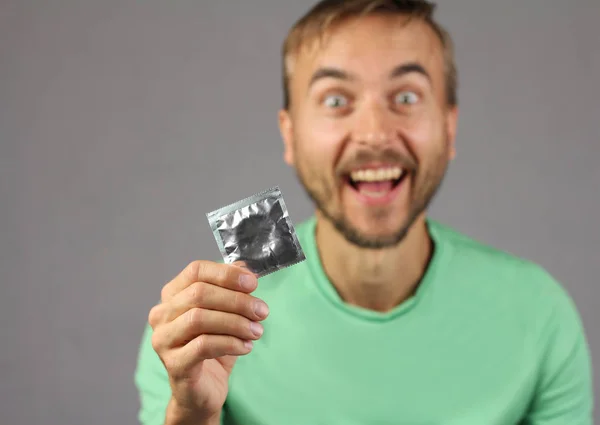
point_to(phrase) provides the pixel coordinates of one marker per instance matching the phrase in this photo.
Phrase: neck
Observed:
(375, 279)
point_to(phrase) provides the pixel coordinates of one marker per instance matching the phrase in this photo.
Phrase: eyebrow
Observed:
(338, 74)
(409, 68)
(329, 72)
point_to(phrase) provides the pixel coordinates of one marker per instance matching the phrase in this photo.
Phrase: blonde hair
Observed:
(328, 13)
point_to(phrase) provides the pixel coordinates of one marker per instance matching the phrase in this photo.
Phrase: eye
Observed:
(406, 98)
(335, 101)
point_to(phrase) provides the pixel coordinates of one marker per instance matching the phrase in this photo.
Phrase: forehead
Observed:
(372, 45)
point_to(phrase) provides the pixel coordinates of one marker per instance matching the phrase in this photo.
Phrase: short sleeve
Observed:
(564, 394)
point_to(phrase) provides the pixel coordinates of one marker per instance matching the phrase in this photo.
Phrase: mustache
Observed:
(385, 156)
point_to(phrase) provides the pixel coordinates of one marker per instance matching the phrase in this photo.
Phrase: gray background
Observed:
(122, 122)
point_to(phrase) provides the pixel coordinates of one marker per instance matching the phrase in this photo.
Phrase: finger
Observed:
(224, 275)
(197, 321)
(155, 315)
(244, 265)
(202, 348)
(211, 297)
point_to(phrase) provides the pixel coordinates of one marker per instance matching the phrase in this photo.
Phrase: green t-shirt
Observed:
(487, 339)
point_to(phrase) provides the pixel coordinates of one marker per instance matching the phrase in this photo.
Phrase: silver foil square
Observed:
(258, 231)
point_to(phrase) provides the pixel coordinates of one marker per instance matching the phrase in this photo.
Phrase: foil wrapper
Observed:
(258, 231)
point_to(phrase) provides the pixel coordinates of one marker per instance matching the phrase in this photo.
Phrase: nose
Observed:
(373, 127)
(373, 138)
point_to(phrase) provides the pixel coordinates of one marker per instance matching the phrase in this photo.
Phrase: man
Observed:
(393, 318)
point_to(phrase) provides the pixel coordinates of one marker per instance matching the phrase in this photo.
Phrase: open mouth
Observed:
(376, 182)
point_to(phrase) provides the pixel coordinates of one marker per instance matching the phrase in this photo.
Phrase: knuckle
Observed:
(196, 269)
(193, 267)
(195, 316)
(164, 292)
(244, 326)
(197, 290)
(211, 272)
(201, 345)
(240, 302)
(153, 316)
(171, 364)
(229, 273)
(238, 325)
(156, 341)
(231, 344)
(248, 306)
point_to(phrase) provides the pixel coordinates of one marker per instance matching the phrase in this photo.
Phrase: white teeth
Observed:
(380, 174)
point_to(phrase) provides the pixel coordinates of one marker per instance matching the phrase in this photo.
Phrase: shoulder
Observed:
(503, 276)
(519, 291)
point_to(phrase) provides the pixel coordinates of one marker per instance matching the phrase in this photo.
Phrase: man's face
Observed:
(369, 131)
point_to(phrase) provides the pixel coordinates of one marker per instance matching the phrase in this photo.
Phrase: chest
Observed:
(449, 372)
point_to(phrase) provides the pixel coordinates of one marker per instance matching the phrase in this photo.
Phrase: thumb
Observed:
(227, 362)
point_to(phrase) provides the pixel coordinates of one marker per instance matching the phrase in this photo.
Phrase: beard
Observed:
(426, 184)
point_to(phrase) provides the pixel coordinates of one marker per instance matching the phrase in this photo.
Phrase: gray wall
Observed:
(122, 122)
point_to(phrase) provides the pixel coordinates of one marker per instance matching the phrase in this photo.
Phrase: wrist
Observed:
(178, 415)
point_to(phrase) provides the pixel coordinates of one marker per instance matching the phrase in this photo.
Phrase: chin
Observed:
(372, 235)
(377, 225)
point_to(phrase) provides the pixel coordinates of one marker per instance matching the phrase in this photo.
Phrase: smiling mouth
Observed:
(376, 182)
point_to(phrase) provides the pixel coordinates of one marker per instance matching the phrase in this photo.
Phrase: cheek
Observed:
(321, 138)
(425, 135)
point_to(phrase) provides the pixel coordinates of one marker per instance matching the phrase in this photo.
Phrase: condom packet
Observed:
(258, 231)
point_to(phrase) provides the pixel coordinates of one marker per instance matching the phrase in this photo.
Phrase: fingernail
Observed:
(248, 345)
(256, 328)
(247, 282)
(261, 309)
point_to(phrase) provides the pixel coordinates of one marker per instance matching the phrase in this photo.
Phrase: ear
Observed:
(287, 134)
(451, 126)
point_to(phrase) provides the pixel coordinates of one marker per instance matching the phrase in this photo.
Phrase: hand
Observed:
(206, 318)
